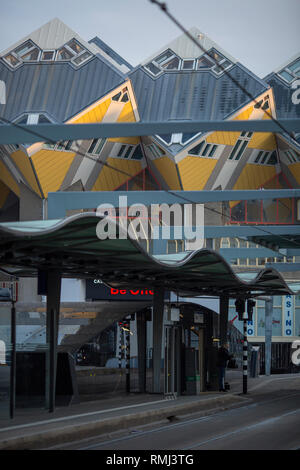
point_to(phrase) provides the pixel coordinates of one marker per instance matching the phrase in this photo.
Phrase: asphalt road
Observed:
(270, 421)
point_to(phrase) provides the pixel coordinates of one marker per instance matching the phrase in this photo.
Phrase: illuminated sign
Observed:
(288, 316)
(250, 327)
(96, 290)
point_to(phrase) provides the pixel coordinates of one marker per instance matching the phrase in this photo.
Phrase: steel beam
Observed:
(16, 134)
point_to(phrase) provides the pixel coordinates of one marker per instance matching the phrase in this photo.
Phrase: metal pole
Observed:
(245, 354)
(127, 338)
(268, 334)
(119, 346)
(224, 307)
(13, 362)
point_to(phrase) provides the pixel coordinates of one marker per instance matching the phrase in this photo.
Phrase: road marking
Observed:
(246, 428)
(181, 424)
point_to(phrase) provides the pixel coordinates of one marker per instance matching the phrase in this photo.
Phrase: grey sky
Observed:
(261, 34)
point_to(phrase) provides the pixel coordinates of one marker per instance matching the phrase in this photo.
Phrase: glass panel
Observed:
(273, 159)
(125, 98)
(258, 156)
(128, 151)
(285, 212)
(82, 58)
(99, 146)
(215, 55)
(204, 62)
(295, 66)
(152, 68)
(186, 136)
(252, 261)
(238, 212)
(277, 301)
(253, 211)
(213, 151)
(12, 60)
(234, 243)
(92, 146)
(22, 120)
(218, 69)
(64, 54)
(277, 321)
(234, 150)
(166, 138)
(32, 55)
(261, 320)
(24, 48)
(206, 150)
(5, 358)
(196, 150)
(43, 119)
(69, 145)
(187, 65)
(264, 158)
(137, 154)
(116, 97)
(121, 150)
(173, 64)
(164, 56)
(241, 150)
(75, 46)
(287, 76)
(48, 55)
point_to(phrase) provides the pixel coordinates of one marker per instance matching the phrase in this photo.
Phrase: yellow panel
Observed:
(8, 179)
(4, 192)
(195, 171)
(109, 179)
(94, 115)
(244, 116)
(167, 169)
(263, 141)
(126, 115)
(51, 167)
(229, 138)
(254, 176)
(23, 163)
(295, 170)
(223, 138)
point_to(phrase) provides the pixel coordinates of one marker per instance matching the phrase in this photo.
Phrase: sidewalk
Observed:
(37, 429)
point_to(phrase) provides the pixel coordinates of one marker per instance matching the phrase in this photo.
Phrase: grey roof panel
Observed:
(197, 95)
(285, 108)
(57, 89)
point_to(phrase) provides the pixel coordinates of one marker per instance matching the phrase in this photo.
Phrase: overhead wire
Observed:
(164, 8)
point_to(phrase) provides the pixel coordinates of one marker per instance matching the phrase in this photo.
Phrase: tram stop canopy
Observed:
(71, 246)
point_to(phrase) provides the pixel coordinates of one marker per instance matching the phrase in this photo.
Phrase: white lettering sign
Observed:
(288, 313)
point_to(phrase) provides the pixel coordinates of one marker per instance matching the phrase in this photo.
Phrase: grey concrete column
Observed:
(142, 346)
(52, 322)
(268, 334)
(224, 305)
(158, 319)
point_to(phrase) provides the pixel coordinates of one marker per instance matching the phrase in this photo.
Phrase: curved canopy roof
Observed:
(71, 245)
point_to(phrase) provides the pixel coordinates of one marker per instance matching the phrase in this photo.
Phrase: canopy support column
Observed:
(224, 305)
(52, 321)
(158, 316)
(142, 345)
(268, 334)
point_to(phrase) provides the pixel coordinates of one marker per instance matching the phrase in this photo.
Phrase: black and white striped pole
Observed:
(245, 354)
(243, 316)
